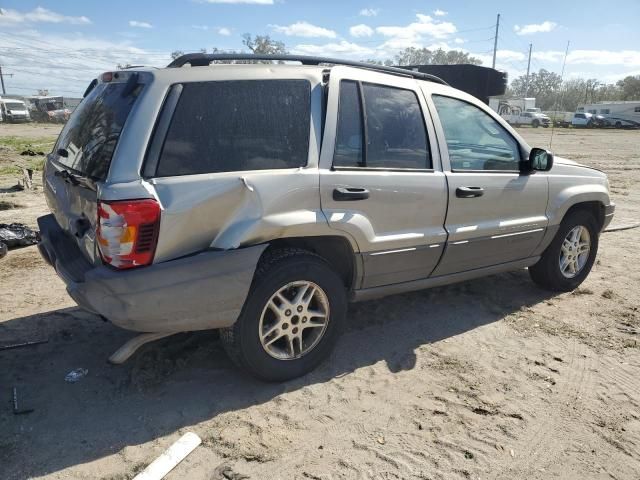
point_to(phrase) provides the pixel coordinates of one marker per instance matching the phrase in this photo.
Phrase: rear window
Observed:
(91, 134)
(230, 126)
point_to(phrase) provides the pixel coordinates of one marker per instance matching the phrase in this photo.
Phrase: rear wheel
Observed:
(291, 319)
(618, 124)
(568, 259)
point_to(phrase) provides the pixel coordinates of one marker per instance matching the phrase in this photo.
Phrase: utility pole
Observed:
(4, 92)
(495, 42)
(526, 89)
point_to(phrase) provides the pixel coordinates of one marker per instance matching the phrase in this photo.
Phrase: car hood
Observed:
(571, 163)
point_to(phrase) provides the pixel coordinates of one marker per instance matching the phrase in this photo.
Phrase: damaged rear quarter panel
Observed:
(233, 209)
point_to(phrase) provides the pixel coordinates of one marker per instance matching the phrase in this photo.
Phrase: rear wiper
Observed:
(68, 177)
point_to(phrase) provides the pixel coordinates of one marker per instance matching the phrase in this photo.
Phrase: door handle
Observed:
(347, 194)
(469, 192)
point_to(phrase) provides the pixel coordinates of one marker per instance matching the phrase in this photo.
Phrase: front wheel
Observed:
(291, 319)
(567, 261)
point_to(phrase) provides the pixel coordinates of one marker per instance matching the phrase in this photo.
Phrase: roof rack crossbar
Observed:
(204, 59)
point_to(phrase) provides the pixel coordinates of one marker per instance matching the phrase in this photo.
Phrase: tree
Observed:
(542, 85)
(176, 53)
(263, 44)
(630, 87)
(424, 56)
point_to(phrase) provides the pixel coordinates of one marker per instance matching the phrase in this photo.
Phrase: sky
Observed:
(61, 45)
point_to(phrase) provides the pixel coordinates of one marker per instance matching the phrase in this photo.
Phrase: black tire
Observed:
(535, 124)
(618, 124)
(277, 269)
(546, 273)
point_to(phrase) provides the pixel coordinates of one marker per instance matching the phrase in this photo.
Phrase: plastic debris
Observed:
(171, 457)
(3, 249)
(15, 235)
(74, 375)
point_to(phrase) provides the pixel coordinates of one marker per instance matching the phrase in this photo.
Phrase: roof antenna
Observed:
(555, 113)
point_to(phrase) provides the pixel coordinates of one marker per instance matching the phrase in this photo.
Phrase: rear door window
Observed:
(228, 126)
(392, 125)
(90, 136)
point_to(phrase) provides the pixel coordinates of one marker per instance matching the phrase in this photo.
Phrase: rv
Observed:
(616, 114)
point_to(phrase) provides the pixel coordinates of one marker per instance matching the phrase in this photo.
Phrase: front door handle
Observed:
(348, 194)
(469, 192)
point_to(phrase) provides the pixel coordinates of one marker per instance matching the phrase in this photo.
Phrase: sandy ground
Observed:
(492, 378)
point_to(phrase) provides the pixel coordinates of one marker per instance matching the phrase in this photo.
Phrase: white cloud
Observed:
(66, 63)
(412, 35)
(369, 12)
(361, 30)
(224, 31)
(628, 58)
(458, 41)
(304, 29)
(137, 24)
(249, 2)
(439, 13)
(548, 56)
(39, 15)
(340, 49)
(545, 26)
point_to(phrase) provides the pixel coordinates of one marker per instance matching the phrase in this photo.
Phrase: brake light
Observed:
(127, 232)
(107, 76)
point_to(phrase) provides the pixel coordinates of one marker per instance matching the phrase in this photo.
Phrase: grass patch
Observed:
(19, 144)
(34, 163)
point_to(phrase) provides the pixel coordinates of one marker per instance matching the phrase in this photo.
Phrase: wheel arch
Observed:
(336, 250)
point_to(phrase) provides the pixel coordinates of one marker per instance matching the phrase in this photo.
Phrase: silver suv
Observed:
(259, 199)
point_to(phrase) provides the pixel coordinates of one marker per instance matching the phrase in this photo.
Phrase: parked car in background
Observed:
(620, 114)
(260, 199)
(49, 109)
(583, 120)
(14, 111)
(560, 119)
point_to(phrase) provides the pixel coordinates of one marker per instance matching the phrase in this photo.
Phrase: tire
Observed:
(618, 124)
(279, 269)
(547, 272)
(535, 124)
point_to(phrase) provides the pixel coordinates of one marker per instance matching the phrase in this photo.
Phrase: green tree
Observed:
(424, 56)
(263, 44)
(543, 86)
(630, 87)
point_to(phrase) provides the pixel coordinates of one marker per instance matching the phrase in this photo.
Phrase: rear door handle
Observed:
(348, 194)
(469, 192)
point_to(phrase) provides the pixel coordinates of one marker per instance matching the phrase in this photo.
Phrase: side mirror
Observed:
(540, 159)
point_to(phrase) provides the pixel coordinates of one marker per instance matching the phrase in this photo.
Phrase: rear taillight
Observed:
(128, 232)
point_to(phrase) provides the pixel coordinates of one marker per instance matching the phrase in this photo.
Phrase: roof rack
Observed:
(204, 59)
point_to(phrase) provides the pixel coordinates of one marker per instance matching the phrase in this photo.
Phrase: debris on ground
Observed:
(22, 344)
(74, 375)
(16, 409)
(31, 153)
(3, 249)
(171, 457)
(15, 235)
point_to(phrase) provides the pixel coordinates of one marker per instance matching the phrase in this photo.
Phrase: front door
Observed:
(380, 175)
(496, 213)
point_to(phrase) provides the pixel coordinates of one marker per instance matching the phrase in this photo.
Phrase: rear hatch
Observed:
(81, 158)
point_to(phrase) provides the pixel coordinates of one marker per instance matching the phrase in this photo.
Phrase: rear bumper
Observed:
(609, 211)
(199, 292)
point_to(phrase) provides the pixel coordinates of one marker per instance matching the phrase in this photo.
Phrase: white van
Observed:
(14, 111)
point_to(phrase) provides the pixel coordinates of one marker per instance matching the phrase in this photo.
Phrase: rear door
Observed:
(496, 213)
(81, 158)
(380, 176)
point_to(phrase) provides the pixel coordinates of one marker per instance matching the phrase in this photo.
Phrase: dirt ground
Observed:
(492, 378)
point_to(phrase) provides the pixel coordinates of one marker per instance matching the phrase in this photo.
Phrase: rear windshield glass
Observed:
(228, 126)
(91, 134)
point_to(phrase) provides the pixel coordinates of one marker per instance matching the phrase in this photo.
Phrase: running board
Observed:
(383, 291)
